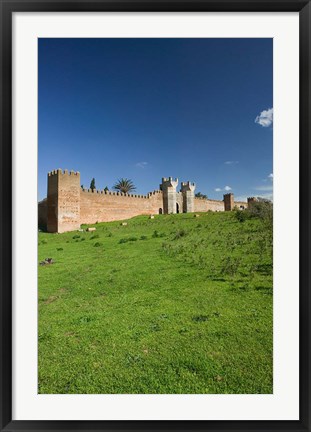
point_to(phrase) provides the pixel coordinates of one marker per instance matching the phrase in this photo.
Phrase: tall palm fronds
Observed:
(124, 185)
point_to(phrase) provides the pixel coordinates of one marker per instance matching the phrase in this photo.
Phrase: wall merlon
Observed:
(188, 186)
(168, 182)
(59, 172)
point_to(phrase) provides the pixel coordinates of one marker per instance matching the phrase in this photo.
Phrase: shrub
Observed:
(180, 233)
(59, 249)
(143, 237)
(242, 215)
(262, 209)
(76, 236)
(230, 265)
(156, 234)
(200, 318)
(97, 244)
(129, 239)
(94, 236)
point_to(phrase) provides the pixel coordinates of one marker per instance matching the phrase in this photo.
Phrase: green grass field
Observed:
(175, 304)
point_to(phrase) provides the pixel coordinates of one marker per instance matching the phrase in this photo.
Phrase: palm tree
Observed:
(124, 185)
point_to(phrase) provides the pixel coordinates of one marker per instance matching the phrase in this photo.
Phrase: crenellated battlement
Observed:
(59, 171)
(120, 194)
(168, 182)
(187, 186)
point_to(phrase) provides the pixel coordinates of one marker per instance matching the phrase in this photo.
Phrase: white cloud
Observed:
(269, 177)
(226, 188)
(231, 162)
(142, 164)
(265, 118)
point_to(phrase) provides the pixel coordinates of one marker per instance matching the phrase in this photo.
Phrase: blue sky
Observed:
(196, 109)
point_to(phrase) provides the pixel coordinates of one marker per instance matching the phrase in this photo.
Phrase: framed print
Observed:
(155, 215)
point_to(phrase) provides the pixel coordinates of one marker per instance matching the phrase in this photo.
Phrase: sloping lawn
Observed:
(175, 304)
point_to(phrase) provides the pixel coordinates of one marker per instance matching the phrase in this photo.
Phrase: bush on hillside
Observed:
(180, 233)
(94, 236)
(261, 209)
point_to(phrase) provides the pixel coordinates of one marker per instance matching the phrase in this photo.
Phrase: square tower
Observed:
(229, 201)
(187, 190)
(168, 187)
(63, 201)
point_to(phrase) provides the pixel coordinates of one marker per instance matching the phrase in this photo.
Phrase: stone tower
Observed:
(229, 201)
(187, 190)
(63, 201)
(168, 187)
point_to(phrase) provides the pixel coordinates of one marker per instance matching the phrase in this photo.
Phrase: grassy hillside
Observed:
(175, 304)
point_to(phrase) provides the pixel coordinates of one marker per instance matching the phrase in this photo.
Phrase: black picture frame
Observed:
(7, 8)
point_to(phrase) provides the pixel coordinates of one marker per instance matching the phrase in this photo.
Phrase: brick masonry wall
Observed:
(42, 213)
(240, 204)
(179, 201)
(203, 205)
(69, 202)
(101, 207)
(52, 203)
(67, 205)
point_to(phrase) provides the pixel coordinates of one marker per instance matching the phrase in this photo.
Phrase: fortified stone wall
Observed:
(229, 201)
(42, 214)
(99, 206)
(63, 201)
(68, 206)
(69, 201)
(204, 205)
(187, 190)
(52, 202)
(168, 187)
(179, 201)
(240, 205)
